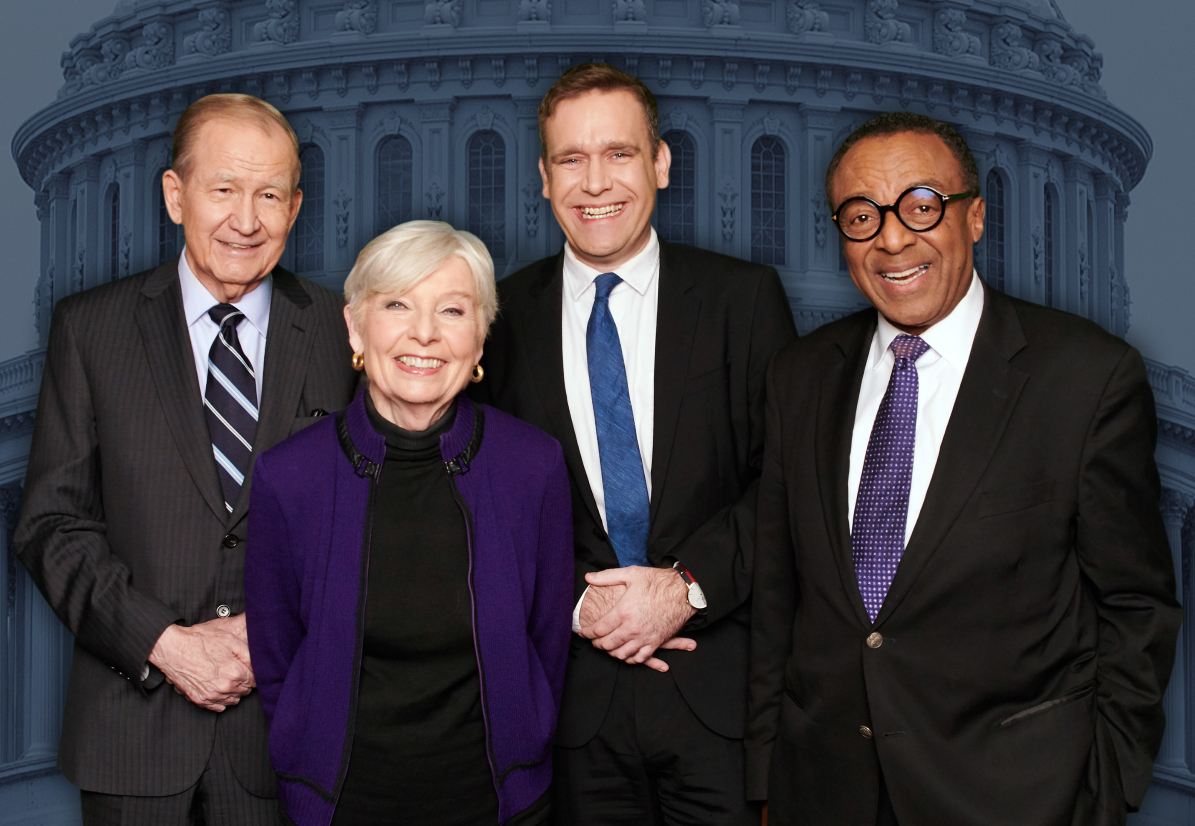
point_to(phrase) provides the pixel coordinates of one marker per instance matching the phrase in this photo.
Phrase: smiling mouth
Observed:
(240, 246)
(906, 277)
(421, 363)
(594, 213)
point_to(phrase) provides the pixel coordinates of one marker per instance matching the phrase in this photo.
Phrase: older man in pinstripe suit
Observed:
(159, 389)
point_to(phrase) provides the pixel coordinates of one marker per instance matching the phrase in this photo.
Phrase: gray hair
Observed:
(404, 255)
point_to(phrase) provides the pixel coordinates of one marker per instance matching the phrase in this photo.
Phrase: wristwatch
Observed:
(696, 595)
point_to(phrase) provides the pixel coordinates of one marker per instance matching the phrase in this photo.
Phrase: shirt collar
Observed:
(255, 304)
(951, 338)
(638, 271)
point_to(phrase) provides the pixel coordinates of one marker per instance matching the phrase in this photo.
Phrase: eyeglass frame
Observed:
(973, 192)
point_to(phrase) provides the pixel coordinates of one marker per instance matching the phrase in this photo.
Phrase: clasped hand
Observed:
(208, 662)
(630, 612)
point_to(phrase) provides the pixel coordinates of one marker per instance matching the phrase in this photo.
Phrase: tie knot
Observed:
(606, 282)
(908, 347)
(226, 314)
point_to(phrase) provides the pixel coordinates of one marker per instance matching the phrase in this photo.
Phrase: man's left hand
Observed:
(653, 609)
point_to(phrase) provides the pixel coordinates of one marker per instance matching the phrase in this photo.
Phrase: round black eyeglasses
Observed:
(920, 208)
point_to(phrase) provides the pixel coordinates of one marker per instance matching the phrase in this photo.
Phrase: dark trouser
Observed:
(652, 762)
(216, 799)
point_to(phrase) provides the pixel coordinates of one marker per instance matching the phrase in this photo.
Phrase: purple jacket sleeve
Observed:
(272, 606)
(551, 616)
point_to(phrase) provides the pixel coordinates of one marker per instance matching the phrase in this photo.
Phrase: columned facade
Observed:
(427, 109)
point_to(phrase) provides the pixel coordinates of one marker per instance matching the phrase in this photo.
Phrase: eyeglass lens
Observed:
(919, 209)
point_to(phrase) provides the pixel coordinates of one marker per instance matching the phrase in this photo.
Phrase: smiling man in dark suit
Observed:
(964, 608)
(646, 361)
(159, 389)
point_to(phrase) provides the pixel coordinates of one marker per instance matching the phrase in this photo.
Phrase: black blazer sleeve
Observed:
(721, 552)
(1124, 555)
(61, 536)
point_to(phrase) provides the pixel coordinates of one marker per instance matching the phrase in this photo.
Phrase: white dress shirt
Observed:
(251, 332)
(939, 375)
(633, 306)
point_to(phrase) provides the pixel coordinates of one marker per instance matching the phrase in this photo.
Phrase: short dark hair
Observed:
(598, 77)
(893, 123)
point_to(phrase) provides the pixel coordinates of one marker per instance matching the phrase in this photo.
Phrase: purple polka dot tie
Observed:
(882, 505)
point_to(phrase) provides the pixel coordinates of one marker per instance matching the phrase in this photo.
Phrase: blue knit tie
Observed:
(627, 506)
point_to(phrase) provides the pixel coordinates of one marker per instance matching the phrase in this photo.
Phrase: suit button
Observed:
(222, 611)
(875, 639)
(865, 731)
(231, 540)
(318, 412)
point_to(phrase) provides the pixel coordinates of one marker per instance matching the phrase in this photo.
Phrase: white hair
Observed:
(404, 255)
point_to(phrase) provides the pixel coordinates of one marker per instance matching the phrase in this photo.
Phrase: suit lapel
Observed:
(163, 329)
(676, 324)
(838, 397)
(288, 347)
(545, 341)
(986, 398)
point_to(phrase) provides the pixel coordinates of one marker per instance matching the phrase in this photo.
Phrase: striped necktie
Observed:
(230, 403)
(623, 484)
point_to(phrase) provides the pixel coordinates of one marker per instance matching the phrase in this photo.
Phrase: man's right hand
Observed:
(599, 600)
(208, 663)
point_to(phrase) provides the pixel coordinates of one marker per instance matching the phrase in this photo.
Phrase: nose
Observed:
(425, 327)
(894, 236)
(597, 180)
(244, 215)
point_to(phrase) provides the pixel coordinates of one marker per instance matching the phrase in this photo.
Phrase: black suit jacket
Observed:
(1029, 631)
(719, 322)
(123, 525)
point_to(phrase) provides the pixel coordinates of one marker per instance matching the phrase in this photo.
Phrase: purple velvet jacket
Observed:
(305, 583)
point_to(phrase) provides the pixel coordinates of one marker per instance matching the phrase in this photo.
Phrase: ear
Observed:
(172, 194)
(663, 163)
(543, 173)
(355, 340)
(295, 202)
(975, 215)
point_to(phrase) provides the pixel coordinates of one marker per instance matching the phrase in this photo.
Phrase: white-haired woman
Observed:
(409, 577)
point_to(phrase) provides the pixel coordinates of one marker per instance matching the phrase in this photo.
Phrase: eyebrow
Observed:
(932, 184)
(225, 177)
(606, 146)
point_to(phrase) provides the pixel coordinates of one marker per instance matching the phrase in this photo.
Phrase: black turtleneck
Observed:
(419, 751)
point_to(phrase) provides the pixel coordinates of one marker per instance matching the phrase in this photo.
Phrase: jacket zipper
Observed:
(485, 710)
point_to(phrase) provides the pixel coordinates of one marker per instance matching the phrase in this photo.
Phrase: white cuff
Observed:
(577, 612)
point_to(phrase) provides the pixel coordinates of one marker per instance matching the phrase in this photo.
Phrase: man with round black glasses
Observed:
(964, 603)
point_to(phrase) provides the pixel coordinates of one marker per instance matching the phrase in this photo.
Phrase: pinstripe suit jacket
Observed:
(123, 525)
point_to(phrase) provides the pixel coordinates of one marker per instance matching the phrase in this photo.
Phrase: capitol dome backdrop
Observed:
(427, 109)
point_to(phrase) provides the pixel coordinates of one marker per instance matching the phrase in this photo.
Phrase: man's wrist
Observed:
(694, 596)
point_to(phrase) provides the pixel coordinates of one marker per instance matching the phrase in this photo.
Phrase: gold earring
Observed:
(478, 373)
(358, 361)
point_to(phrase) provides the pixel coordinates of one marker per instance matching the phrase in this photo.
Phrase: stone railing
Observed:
(1172, 386)
(20, 377)
(994, 61)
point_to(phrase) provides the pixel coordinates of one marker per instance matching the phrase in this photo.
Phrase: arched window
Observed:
(487, 192)
(167, 229)
(676, 206)
(1090, 258)
(1050, 219)
(73, 253)
(767, 201)
(996, 230)
(394, 183)
(308, 233)
(114, 234)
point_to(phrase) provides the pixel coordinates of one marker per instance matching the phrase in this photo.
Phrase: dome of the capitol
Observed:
(427, 108)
